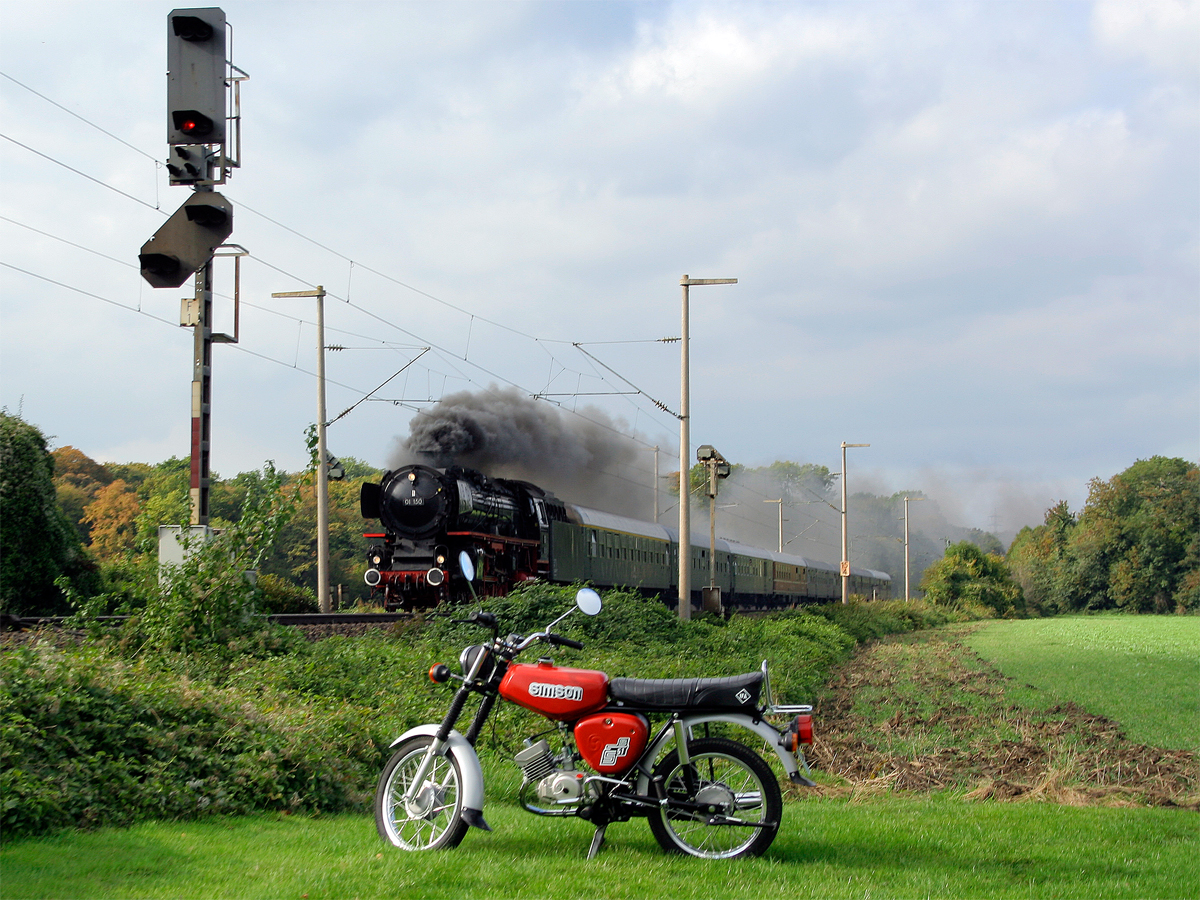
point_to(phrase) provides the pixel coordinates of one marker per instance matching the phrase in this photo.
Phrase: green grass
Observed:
(1142, 671)
(939, 846)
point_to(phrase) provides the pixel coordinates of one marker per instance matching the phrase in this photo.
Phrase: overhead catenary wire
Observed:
(443, 352)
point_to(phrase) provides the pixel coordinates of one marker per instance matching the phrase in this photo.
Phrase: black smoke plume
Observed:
(583, 457)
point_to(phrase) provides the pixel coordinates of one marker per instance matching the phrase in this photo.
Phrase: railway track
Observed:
(26, 623)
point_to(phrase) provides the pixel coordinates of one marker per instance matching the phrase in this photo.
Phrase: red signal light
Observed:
(192, 123)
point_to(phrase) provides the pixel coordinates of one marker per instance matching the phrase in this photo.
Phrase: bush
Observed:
(867, 620)
(278, 595)
(90, 739)
(87, 741)
(968, 580)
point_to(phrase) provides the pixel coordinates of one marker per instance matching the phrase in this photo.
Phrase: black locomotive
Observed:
(513, 531)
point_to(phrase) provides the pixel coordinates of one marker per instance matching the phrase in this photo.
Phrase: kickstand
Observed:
(597, 841)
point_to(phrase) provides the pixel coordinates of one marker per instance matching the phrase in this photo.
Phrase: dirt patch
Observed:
(922, 712)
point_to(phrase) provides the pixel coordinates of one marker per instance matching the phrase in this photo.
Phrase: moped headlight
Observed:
(466, 661)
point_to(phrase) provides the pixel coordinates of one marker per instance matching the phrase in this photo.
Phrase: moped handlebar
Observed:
(479, 617)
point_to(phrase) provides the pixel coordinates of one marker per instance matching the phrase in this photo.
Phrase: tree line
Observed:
(1135, 545)
(72, 526)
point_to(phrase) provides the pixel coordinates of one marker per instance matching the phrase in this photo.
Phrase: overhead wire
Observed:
(443, 353)
(59, 162)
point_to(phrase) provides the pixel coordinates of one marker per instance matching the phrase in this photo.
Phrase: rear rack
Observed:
(770, 707)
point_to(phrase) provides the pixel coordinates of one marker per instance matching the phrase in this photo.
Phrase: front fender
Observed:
(468, 767)
(763, 729)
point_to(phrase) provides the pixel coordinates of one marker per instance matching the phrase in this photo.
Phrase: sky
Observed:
(964, 233)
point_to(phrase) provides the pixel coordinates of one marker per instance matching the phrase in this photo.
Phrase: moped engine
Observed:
(562, 789)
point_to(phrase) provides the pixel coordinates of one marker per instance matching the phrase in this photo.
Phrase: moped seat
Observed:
(737, 692)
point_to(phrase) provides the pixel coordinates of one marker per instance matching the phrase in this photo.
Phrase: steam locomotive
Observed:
(513, 531)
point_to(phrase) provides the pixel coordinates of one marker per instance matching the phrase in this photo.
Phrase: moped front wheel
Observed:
(724, 804)
(431, 818)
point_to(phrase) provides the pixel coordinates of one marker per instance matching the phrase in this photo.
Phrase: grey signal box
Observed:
(187, 240)
(196, 76)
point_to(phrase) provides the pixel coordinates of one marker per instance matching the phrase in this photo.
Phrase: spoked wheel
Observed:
(432, 819)
(724, 804)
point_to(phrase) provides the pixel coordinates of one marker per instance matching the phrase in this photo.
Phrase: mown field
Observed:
(919, 742)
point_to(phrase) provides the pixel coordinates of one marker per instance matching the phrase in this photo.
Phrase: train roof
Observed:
(613, 522)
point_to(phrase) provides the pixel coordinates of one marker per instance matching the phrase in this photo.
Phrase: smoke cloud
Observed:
(585, 457)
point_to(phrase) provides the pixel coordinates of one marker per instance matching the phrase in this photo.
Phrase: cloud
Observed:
(1159, 33)
(967, 233)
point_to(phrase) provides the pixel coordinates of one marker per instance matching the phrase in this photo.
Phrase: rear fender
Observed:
(763, 729)
(468, 766)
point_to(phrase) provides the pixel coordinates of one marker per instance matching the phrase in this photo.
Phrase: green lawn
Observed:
(939, 846)
(1142, 671)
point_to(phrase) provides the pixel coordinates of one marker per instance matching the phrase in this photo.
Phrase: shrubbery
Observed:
(87, 740)
(108, 736)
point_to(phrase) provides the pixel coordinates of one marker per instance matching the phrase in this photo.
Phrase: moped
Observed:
(704, 795)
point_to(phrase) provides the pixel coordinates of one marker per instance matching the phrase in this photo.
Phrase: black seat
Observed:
(738, 692)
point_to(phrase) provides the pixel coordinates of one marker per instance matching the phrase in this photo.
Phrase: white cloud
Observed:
(1163, 34)
(971, 230)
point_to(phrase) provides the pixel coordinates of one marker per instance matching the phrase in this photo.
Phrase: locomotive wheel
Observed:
(432, 819)
(724, 804)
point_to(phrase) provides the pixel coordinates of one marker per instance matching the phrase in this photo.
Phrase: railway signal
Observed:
(187, 241)
(189, 164)
(196, 76)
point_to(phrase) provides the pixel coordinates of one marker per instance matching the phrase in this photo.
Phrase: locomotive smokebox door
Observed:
(414, 502)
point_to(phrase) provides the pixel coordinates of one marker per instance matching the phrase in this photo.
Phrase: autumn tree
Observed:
(112, 520)
(77, 480)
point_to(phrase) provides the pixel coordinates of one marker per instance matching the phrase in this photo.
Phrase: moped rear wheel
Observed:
(432, 819)
(725, 803)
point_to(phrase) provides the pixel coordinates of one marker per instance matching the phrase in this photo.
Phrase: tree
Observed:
(165, 500)
(1136, 539)
(38, 544)
(77, 479)
(1135, 546)
(112, 520)
(967, 578)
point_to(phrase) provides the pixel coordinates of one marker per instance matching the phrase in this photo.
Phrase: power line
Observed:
(82, 119)
(59, 162)
(444, 351)
(69, 287)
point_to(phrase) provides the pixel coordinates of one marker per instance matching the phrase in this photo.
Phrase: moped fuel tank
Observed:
(554, 692)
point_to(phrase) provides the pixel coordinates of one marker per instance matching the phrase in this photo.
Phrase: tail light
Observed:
(799, 731)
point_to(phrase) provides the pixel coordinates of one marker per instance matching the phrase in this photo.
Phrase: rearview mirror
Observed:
(588, 601)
